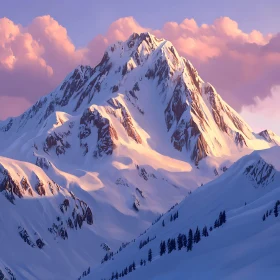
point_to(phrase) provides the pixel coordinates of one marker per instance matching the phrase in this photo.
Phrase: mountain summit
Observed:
(113, 147)
(142, 91)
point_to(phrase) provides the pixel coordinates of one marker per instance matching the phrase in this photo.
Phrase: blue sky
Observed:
(86, 18)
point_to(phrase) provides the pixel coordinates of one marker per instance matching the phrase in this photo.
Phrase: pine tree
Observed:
(210, 228)
(216, 224)
(205, 232)
(180, 241)
(113, 276)
(224, 217)
(221, 218)
(163, 224)
(276, 210)
(125, 271)
(150, 256)
(196, 238)
(266, 213)
(184, 237)
(263, 217)
(117, 275)
(133, 265)
(190, 240)
(169, 246)
(162, 248)
(171, 218)
(173, 244)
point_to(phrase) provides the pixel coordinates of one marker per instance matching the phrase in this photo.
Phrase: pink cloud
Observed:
(35, 58)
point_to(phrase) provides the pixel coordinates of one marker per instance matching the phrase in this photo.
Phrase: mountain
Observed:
(270, 137)
(96, 161)
(141, 93)
(244, 243)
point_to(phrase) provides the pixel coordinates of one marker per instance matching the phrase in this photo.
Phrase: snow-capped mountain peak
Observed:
(117, 144)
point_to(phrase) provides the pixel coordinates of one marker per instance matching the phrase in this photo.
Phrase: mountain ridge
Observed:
(127, 140)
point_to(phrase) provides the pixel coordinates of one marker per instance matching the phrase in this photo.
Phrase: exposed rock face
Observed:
(9, 186)
(75, 212)
(39, 187)
(76, 81)
(7, 274)
(43, 163)
(270, 137)
(25, 185)
(25, 237)
(56, 141)
(88, 216)
(260, 173)
(126, 120)
(239, 140)
(106, 135)
(136, 204)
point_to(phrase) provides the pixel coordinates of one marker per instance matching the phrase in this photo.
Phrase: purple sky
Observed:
(44, 40)
(85, 19)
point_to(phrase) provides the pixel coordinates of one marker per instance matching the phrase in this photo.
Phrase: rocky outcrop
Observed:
(25, 236)
(136, 204)
(9, 186)
(106, 134)
(43, 163)
(260, 173)
(74, 83)
(270, 137)
(125, 119)
(25, 185)
(75, 212)
(7, 274)
(56, 141)
(39, 187)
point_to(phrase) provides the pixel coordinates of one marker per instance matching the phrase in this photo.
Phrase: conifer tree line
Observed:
(275, 211)
(85, 273)
(221, 220)
(182, 241)
(145, 242)
(174, 217)
(193, 237)
(124, 272)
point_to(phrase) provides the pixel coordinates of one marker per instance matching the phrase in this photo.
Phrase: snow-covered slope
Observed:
(246, 246)
(123, 141)
(142, 94)
(270, 137)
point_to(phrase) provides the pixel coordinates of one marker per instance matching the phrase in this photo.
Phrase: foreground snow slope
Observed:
(245, 247)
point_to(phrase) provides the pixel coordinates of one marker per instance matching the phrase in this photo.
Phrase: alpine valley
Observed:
(126, 156)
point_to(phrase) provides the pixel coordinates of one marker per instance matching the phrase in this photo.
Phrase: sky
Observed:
(234, 45)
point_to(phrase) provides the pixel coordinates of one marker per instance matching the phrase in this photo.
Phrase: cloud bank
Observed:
(34, 59)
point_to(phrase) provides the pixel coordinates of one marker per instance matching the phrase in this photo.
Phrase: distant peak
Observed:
(266, 132)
